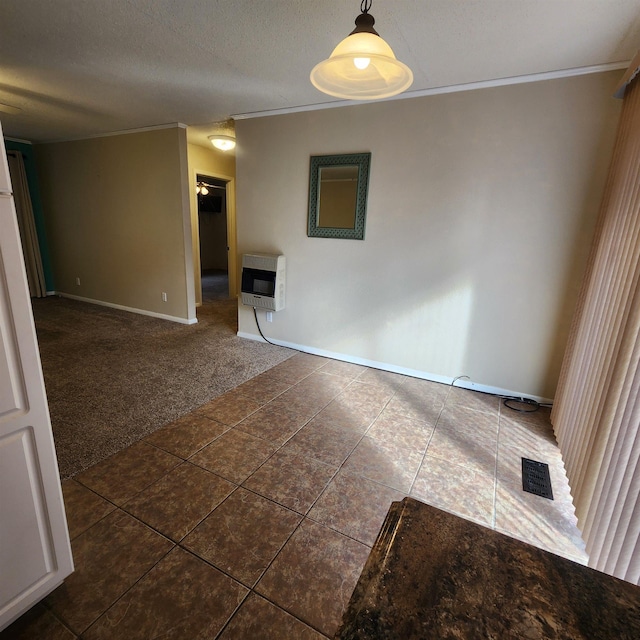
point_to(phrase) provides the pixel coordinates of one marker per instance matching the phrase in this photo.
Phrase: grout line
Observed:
(433, 431)
(54, 614)
(494, 515)
(303, 517)
(136, 581)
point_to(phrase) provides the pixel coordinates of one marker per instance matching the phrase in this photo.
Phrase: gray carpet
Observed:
(113, 377)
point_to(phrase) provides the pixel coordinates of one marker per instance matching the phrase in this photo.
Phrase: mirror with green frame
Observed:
(338, 186)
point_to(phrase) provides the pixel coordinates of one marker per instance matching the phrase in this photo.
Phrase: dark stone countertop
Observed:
(431, 574)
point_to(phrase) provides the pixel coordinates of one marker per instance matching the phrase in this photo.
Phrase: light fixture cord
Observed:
(365, 5)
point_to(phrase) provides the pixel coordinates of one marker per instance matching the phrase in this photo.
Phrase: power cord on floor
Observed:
(508, 400)
(529, 402)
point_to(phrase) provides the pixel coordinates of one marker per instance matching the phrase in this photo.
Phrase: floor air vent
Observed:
(536, 478)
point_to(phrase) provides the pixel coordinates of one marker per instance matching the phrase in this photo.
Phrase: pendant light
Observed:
(363, 66)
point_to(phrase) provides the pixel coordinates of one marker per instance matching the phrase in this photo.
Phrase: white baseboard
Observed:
(414, 373)
(142, 312)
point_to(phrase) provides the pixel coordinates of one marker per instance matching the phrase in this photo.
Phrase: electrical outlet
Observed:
(164, 296)
(269, 316)
(78, 281)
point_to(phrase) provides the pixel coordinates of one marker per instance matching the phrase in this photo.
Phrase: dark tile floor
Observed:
(252, 517)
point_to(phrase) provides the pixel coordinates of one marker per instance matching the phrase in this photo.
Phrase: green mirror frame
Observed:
(363, 162)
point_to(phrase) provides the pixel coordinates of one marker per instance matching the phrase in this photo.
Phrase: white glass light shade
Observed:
(224, 143)
(204, 191)
(341, 76)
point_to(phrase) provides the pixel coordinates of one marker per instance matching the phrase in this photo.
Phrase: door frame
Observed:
(232, 253)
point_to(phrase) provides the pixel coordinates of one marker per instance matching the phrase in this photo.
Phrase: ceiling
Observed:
(78, 68)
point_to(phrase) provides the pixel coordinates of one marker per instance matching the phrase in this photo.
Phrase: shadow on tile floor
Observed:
(253, 516)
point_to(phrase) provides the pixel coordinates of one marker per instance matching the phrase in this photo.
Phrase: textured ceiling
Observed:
(78, 68)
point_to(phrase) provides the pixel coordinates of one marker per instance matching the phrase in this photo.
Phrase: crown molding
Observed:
(19, 140)
(454, 88)
(155, 127)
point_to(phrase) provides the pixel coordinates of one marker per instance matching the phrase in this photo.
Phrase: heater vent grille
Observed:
(536, 478)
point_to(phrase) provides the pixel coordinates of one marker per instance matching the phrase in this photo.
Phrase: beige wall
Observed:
(481, 209)
(117, 215)
(217, 164)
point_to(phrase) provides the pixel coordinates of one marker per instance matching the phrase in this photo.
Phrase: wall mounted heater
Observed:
(263, 277)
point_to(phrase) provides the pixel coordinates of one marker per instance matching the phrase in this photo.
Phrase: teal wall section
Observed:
(36, 203)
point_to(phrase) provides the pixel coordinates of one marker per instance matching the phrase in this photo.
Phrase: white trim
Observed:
(155, 127)
(454, 88)
(142, 312)
(18, 140)
(414, 373)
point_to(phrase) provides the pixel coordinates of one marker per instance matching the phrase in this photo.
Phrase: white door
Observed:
(35, 554)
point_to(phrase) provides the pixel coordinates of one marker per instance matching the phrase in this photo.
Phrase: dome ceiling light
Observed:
(222, 142)
(363, 66)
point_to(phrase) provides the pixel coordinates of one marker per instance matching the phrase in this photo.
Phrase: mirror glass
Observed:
(338, 187)
(338, 195)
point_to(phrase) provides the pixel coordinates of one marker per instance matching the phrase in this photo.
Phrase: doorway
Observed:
(214, 244)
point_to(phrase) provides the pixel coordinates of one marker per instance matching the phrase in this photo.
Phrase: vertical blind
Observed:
(596, 415)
